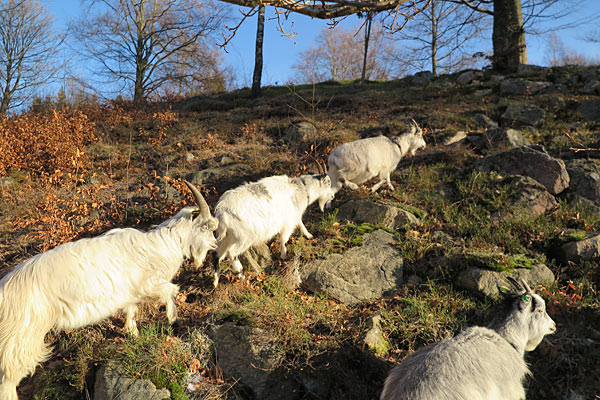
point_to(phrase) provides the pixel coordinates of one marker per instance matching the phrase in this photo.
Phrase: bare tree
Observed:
(338, 55)
(559, 54)
(200, 70)
(28, 51)
(512, 19)
(443, 37)
(258, 53)
(142, 44)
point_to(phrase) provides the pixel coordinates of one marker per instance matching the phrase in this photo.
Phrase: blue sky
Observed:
(280, 52)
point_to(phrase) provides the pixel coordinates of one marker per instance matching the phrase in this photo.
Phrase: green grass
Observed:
(293, 319)
(419, 316)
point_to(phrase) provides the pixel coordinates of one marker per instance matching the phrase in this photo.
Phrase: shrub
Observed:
(43, 143)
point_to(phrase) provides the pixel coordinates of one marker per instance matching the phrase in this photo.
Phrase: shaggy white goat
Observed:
(478, 363)
(255, 212)
(356, 162)
(85, 281)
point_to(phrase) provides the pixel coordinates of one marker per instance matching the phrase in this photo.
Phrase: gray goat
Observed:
(478, 363)
(356, 162)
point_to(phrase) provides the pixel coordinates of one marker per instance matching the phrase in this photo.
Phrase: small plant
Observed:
(156, 355)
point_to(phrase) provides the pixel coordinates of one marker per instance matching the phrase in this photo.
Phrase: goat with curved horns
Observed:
(356, 162)
(478, 363)
(255, 212)
(82, 282)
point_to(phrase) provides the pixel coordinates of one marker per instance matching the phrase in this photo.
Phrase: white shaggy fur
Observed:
(478, 363)
(255, 212)
(83, 282)
(356, 162)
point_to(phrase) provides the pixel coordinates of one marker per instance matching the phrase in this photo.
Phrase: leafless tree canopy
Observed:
(442, 37)
(558, 54)
(338, 55)
(28, 51)
(146, 44)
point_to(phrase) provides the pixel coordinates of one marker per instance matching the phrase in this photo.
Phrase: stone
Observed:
(216, 174)
(91, 180)
(554, 88)
(521, 87)
(589, 74)
(532, 70)
(523, 114)
(189, 157)
(581, 250)
(497, 78)
(226, 160)
(483, 92)
(585, 181)
(532, 195)
(590, 109)
(504, 138)
(374, 338)
(485, 122)
(422, 78)
(247, 354)
(360, 211)
(110, 384)
(6, 181)
(564, 75)
(592, 87)
(258, 257)
(361, 273)
(532, 161)
(455, 138)
(484, 282)
(469, 76)
(300, 132)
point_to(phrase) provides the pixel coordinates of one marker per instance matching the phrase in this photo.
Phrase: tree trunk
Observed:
(140, 67)
(508, 37)
(258, 54)
(366, 54)
(4, 104)
(434, 37)
(6, 94)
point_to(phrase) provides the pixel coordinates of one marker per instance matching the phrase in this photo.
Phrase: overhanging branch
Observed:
(326, 9)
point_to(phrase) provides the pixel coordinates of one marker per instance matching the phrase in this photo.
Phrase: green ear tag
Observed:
(526, 298)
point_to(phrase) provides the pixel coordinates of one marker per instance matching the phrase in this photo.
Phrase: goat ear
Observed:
(502, 289)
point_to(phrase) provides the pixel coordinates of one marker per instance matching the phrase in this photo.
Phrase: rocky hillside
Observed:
(509, 185)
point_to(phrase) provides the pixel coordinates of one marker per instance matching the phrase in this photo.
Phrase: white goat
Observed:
(255, 212)
(85, 281)
(356, 162)
(478, 363)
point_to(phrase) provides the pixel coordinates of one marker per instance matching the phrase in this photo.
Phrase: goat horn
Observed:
(202, 205)
(516, 283)
(525, 285)
(324, 167)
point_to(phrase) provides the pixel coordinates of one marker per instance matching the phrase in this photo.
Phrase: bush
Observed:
(44, 143)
